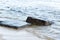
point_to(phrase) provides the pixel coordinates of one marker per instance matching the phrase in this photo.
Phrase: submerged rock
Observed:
(36, 21)
(13, 23)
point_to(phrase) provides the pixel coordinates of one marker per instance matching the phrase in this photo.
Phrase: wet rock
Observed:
(14, 23)
(36, 21)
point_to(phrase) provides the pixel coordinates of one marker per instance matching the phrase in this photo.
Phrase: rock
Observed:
(14, 23)
(36, 21)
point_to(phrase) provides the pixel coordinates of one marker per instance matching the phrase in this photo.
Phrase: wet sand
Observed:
(16, 34)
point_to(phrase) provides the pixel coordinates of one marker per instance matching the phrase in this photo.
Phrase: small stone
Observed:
(36, 21)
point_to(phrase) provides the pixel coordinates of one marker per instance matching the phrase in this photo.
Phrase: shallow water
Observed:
(40, 11)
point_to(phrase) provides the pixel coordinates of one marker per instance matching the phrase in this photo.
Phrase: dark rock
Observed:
(36, 21)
